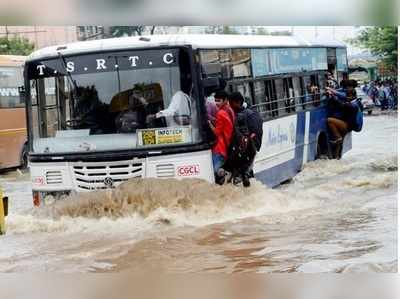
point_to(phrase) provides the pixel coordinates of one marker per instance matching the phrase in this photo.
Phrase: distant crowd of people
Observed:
(383, 93)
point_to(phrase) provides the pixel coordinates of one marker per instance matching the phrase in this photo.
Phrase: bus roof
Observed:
(197, 41)
(12, 60)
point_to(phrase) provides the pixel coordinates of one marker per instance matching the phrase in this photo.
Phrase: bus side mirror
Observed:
(5, 205)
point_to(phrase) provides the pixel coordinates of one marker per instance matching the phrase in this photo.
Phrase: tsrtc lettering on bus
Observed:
(101, 63)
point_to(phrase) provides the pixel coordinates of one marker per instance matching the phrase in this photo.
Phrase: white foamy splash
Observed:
(144, 202)
(149, 202)
(351, 201)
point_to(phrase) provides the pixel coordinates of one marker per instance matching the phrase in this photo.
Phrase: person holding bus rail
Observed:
(223, 130)
(246, 140)
(341, 113)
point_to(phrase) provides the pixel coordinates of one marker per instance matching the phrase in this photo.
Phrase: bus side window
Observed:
(271, 98)
(281, 97)
(245, 89)
(298, 91)
(322, 84)
(216, 63)
(259, 97)
(308, 92)
(288, 91)
(210, 64)
(251, 94)
(315, 89)
(241, 65)
(48, 114)
(225, 61)
(10, 80)
(302, 93)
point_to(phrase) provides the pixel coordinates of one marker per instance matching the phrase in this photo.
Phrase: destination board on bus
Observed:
(164, 136)
(287, 60)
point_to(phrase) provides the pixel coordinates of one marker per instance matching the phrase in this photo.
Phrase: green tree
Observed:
(220, 30)
(16, 46)
(228, 30)
(213, 29)
(118, 31)
(261, 31)
(281, 33)
(381, 41)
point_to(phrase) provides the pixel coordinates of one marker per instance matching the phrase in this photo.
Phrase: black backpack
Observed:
(242, 146)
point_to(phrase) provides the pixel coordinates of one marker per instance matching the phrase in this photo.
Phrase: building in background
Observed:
(92, 32)
(41, 36)
(363, 67)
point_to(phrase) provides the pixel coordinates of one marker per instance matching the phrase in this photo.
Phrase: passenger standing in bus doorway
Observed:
(246, 141)
(223, 129)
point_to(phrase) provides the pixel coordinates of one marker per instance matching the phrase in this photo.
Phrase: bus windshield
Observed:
(10, 79)
(113, 101)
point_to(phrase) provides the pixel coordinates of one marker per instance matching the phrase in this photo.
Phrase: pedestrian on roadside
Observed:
(373, 92)
(382, 96)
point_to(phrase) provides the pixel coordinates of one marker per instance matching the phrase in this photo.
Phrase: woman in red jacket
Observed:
(223, 129)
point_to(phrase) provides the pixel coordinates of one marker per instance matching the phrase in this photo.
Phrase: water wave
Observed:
(141, 202)
(385, 165)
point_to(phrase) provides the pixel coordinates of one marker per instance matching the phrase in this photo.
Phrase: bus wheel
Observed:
(322, 147)
(24, 157)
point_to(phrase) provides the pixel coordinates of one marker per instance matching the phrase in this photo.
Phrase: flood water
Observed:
(334, 216)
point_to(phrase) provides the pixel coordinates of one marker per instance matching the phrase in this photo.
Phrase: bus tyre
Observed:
(24, 157)
(3, 212)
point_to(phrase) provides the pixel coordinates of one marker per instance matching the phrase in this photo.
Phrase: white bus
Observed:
(94, 107)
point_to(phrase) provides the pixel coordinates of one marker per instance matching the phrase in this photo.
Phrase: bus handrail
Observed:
(297, 103)
(290, 98)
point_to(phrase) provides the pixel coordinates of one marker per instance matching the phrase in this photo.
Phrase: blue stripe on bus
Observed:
(282, 172)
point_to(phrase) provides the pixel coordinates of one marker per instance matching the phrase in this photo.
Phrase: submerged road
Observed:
(334, 216)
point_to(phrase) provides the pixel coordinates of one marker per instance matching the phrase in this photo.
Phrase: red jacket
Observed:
(225, 119)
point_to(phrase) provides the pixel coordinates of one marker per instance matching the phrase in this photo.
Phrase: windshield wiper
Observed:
(69, 76)
(75, 96)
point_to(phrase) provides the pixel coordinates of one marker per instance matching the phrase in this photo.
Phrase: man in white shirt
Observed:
(178, 112)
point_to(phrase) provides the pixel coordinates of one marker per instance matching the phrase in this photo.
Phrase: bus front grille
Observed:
(53, 177)
(165, 170)
(105, 175)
